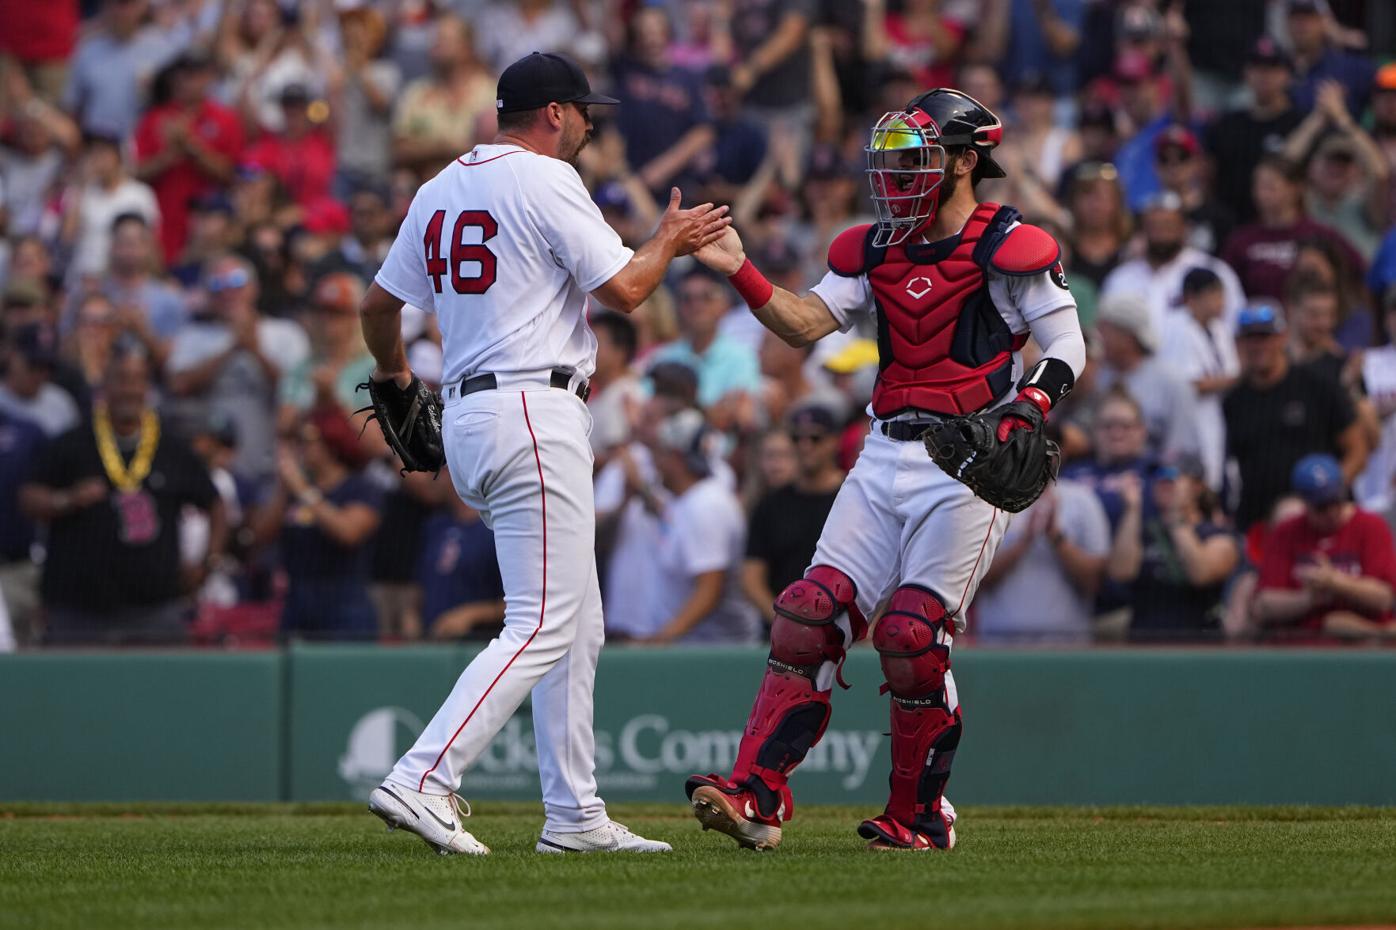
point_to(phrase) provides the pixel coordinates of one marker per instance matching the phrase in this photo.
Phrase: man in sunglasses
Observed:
(957, 287)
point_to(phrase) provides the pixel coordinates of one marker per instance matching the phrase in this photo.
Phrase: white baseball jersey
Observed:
(503, 246)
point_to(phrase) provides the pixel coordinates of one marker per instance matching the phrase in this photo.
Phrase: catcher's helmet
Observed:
(907, 157)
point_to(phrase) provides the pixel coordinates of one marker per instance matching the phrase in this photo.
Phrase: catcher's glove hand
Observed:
(1001, 455)
(410, 419)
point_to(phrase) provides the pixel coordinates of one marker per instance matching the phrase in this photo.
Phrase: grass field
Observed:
(333, 866)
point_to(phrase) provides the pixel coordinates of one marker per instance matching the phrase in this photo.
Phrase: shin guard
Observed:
(792, 705)
(914, 642)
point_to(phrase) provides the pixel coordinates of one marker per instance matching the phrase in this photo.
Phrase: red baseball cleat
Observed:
(887, 834)
(734, 809)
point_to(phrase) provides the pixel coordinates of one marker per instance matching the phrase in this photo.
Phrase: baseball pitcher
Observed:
(504, 245)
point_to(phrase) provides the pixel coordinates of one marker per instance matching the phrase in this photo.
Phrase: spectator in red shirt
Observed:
(301, 156)
(39, 39)
(186, 146)
(1263, 253)
(1331, 570)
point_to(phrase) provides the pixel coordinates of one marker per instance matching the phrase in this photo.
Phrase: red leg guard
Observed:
(791, 710)
(915, 648)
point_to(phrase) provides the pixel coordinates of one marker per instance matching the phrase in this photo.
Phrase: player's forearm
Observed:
(380, 315)
(798, 321)
(634, 283)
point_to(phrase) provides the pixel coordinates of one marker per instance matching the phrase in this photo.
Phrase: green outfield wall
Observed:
(316, 723)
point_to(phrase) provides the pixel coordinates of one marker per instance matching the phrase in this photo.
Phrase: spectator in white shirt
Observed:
(1129, 345)
(1198, 347)
(1375, 488)
(104, 192)
(696, 590)
(27, 389)
(1158, 274)
(1042, 583)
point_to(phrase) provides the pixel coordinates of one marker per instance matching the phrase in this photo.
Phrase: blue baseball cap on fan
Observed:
(1260, 320)
(1318, 479)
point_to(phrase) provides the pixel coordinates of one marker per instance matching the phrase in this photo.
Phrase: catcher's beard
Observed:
(942, 194)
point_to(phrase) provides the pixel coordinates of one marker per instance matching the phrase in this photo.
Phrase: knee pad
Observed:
(819, 597)
(805, 633)
(911, 640)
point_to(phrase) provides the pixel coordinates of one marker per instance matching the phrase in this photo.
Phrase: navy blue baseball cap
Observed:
(1318, 479)
(542, 78)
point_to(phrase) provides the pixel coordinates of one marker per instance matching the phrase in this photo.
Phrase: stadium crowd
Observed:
(194, 195)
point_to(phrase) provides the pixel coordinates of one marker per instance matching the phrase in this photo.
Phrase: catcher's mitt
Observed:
(410, 419)
(1009, 474)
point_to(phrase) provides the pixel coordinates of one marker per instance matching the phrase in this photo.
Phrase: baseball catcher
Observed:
(956, 288)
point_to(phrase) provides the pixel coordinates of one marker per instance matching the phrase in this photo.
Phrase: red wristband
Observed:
(752, 285)
(1038, 397)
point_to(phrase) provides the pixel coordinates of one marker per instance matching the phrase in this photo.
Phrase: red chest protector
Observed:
(942, 344)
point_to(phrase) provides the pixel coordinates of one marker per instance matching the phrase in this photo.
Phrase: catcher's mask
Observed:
(906, 166)
(909, 154)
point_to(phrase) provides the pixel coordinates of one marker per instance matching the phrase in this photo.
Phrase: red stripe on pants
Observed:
(542, 608)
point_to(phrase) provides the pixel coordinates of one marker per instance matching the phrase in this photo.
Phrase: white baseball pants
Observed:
(520, 455)
(899, 519)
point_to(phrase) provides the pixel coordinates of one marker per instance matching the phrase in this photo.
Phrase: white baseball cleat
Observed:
(436, 818)
(609, 837)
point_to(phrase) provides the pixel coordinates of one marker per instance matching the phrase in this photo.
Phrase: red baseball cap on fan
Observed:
(1179, 137)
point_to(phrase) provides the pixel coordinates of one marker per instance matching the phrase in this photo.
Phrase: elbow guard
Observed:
(1052, 377)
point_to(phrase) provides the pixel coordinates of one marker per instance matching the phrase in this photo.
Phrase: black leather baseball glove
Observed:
(410, 419)
(1009, 473)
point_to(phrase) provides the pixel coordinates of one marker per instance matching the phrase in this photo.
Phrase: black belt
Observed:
(558, 379)
(905, 430)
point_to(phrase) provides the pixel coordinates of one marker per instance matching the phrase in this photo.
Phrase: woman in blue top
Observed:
(327, 512)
